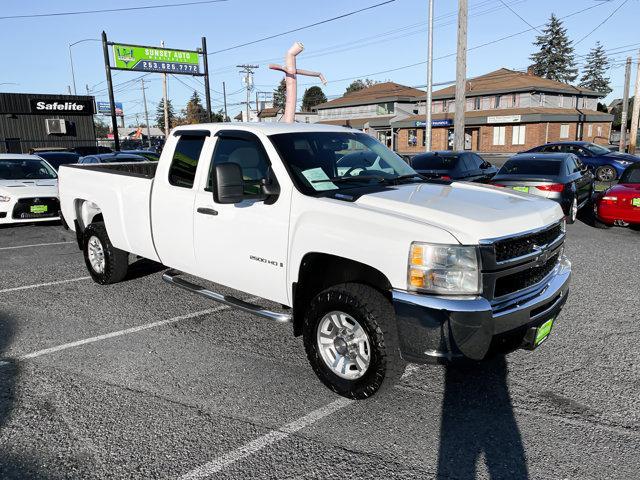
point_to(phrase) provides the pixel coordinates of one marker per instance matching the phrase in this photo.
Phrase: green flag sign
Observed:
(152, 59)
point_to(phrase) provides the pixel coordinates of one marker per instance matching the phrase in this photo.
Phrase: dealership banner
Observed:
(153, 59)
(104, 108)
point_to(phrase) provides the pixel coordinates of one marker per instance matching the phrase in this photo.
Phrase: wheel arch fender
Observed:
(319, 271)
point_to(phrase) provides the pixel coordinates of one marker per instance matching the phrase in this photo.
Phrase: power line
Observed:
(108, 10)
(518, 15)
(304, 27)
(602, 22)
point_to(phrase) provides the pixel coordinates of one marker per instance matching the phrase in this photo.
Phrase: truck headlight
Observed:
(4, 198)
(444, 269)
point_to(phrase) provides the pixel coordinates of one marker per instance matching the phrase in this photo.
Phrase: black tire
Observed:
(116, 261)
(376, 316)
(610, 172)
(572, 214)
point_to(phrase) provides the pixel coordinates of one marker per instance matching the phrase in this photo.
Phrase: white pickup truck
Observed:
(374, 265)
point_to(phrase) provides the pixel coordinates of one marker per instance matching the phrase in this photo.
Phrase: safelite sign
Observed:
(152, 59)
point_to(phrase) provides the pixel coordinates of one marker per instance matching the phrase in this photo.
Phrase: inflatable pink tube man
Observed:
(291, 80)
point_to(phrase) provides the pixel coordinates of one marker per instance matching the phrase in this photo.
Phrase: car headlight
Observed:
(444, 269)
(4, 198)
(624, 162)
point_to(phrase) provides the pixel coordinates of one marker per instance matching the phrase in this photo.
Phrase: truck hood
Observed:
(29, 188)
(470, 212)
(618, 156)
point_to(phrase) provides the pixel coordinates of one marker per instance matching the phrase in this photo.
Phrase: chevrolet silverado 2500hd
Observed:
(374, 265)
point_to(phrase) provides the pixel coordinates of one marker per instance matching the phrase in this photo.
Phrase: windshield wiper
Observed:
(406, 177)
(351, 179)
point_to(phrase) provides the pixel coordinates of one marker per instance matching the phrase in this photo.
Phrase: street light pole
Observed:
(73, 74)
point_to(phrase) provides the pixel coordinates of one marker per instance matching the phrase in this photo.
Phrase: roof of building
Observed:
(379, 92)
(505, 80)
(269, 112)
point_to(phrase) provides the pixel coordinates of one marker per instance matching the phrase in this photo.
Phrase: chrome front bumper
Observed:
(433, 327)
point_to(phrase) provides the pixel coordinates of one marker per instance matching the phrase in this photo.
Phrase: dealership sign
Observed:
(64, 105)
(152, 59)
(504, 119)
(104, 108)
(436, 123)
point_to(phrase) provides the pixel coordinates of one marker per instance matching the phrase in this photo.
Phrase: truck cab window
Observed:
(183, 167)
(246, 153)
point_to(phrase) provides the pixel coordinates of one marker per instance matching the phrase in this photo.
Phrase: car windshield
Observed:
(57, 159)
(631, 175)
(434, 162)
(123, 158)
(25, 169)
(320, 161)
(530, 167)
(596, 149)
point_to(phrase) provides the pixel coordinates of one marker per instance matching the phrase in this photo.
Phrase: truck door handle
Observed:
(207, 211)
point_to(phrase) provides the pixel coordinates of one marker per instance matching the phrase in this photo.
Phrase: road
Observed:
(142, 380)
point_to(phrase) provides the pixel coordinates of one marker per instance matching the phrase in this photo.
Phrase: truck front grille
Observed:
(515, 247)
(525, 278)
(36, 207)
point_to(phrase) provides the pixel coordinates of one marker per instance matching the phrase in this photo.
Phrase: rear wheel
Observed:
(351, 340)
(606, 173)
(106, 263)
(572, 214)
(597, 222)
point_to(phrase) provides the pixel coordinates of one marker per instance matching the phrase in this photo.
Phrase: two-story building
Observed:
(505, 111)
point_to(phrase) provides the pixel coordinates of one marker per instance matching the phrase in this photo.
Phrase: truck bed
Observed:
(121, 192)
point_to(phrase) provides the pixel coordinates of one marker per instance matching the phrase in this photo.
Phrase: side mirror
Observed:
(229, 183)
(270, 186)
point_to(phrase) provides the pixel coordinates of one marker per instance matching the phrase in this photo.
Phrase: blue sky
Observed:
(380, 39)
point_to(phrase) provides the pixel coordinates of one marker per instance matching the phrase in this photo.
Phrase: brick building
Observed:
(506, 111)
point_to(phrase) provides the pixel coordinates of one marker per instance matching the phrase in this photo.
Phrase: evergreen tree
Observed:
(555, 58)
(280, 94)
(218, 116)
(312, 96)
(160, 115)
(359, 85)
(596, 65)
(194, 111)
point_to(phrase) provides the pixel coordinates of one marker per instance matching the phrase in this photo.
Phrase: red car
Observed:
(620, 204)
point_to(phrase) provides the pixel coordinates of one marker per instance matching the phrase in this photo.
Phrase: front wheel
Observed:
(606, 173)
(106, 263)
(352, 342)
(572, 214)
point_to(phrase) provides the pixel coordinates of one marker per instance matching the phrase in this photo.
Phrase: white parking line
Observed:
(35, 245)
(47, 284)
(254, 446)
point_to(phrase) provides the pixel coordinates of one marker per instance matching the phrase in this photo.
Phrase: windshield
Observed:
(21, 169)
(434, 162)
(320, 161)
(123, 158)
(57, 159)
(596, 149)
(530, 167)
(631, 175)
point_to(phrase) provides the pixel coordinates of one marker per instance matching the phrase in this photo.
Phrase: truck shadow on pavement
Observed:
(478, 424)
(142, 268)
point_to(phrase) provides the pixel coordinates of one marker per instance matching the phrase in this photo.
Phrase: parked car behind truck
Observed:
(375, 267)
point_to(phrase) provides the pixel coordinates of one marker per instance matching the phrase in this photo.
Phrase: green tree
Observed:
(218, 116)
(194, 111)
(102, 128)
(280, 94)
(312, 96)
(160, 115)
(555, 59)
(596, 64)
(359, 85)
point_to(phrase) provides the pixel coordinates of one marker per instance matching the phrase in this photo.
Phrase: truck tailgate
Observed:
(122, 192)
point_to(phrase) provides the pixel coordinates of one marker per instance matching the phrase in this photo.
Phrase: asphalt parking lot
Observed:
(142, 380)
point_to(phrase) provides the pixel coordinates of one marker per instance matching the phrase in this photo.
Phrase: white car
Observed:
(28, 189)
(374, 265)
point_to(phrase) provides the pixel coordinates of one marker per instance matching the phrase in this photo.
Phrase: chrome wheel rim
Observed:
(574, 210)
(96, 254)
(343, 345)
(607, 174)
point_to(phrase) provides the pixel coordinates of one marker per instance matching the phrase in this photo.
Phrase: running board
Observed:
(173, 277)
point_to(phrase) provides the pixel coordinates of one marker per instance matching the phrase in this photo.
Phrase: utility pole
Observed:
(633, 131)
(248, 81)
(205, 64)
(461, 74)
(257, 107)
(165, 101)
(224, 95)
(625, 106)
(86, 86)
(146, 113)
(427, 125)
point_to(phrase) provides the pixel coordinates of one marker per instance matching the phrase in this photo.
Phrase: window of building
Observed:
(183, 167)
(518, 135)
(499, 135)
(476, 103)
(589, 130)
(497, 101)
(445, 106)
(514, 100)
(246, 153)
(384, 108)
(599, 130)
(412, 139)
(564, 130)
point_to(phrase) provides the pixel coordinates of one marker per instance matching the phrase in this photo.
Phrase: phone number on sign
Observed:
(170, 67)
